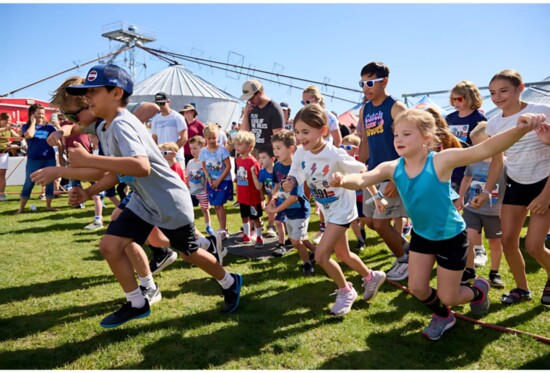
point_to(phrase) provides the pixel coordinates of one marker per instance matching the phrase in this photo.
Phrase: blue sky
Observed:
(427, 46)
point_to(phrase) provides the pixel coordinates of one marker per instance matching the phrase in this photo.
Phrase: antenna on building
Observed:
(130, 35)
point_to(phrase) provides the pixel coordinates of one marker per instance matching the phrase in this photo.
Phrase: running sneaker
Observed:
(496, 281)
(372, 286)
(307, 269)
(280, 250)
(398, 272)
(157, 264)
(124, 314)
(210, 230)
(270, 233)
(245, 239)
(232, 296)
(480, 256)
(481, 306)
(344, 301)
(312, 257)
(152, 294)
(259, 243)
(96, 224)
(439, 325)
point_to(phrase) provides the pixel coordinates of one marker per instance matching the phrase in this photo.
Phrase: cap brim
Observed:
(79, 90)
(246, 97)
(285, 108)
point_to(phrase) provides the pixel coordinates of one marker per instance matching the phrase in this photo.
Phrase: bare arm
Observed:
(363, 151)
(146, 111)
(257, 183)
(357, 181)
(464, 184)
(78, 195)
(245, 125)
(47, 175)
(182, 139)
(31, 130)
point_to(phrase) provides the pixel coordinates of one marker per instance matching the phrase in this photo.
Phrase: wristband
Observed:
(488, 195)
(377, 196)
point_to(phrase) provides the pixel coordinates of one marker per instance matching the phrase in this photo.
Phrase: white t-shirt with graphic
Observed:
(338, 204)
(167, 129)
(196, 177)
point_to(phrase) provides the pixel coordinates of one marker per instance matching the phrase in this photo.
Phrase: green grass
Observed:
(55, 288)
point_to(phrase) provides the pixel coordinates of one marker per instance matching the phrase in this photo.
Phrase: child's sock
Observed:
(435, 305)
(136, 298)
(403, 259)
(227, 281)
(259, 231)
(368, 277)
(246, 229)
(346, 289)
(147, 281)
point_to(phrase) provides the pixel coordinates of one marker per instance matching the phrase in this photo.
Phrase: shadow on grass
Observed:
(46, 289)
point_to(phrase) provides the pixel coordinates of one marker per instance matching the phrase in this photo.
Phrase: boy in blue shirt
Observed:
(160, 197)
(294, 204)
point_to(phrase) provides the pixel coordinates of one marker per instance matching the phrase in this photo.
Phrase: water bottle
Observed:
(33, 207)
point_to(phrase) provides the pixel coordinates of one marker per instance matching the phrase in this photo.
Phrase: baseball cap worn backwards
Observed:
(103, 76)
(249, 88)
(161, 97)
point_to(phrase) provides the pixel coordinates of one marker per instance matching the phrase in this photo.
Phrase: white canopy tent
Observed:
(183, 87)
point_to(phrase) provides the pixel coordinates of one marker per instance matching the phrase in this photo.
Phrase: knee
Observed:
(321, 258)
(107, 248)
(380, 225)
(533, 247)
(420, 291)
(369, 223)
(448, 299)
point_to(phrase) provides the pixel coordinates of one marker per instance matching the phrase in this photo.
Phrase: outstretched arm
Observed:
(383, 171)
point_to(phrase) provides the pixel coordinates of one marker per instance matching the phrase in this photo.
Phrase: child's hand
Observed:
(380, 204)
(335, 179)
(214, 184)
(531, 121)
(77, 195)
(45, 175)
(459, 203)
(78, 155)
(543, 132)
(479, 200)
(56, 139)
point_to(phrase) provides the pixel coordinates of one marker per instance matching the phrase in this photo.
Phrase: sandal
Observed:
(516, 296)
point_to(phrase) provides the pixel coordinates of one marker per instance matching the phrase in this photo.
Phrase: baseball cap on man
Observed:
(284, 106)
(103, 76)
(249, 88)
(161, 97)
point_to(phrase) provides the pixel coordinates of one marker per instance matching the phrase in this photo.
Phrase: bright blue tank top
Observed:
(377, 122)
(428, 203)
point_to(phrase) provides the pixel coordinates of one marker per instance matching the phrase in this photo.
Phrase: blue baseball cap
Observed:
(103, 76)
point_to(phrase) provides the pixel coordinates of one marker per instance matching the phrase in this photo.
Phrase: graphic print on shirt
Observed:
(242, 176)
(257, 125)
(374, 123)
(196, 176)
(283, 196)
(480, 176)
(214, 168)
(460, 130)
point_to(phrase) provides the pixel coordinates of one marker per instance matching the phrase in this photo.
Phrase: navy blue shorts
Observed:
(129, 225)
(221, 195)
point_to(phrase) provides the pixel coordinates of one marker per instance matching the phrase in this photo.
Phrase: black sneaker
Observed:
(232, 296)
(157, 264)
(495, 280)
(468, 277)
(312, 258)
(216, 247)
(360, 246)
(545, 299)
(280, 250)
(288, 243)
(153, 295)
(307, 269)
(125, 314)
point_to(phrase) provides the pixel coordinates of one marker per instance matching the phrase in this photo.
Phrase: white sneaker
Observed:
(372, 286)
(96, 224)
(3, 197)
(398, 272)
(480, 257)
(344, 301)
(270, 233)
(317, 238)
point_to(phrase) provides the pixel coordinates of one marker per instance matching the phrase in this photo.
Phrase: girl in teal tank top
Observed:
(422, 179)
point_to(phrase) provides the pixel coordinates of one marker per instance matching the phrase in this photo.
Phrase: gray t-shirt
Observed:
(162, 198)
(479, 172)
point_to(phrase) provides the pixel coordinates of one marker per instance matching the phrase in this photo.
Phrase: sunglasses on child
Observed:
(166, 152)
(307, 102)
(457, 99)
(73, 116)
(369, 83)
(348, 147)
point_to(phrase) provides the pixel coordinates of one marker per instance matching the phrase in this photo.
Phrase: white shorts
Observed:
(4, 161)
(395, 208)
(297, 228)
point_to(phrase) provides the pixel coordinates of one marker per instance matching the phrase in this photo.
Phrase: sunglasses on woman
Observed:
(369, 83)
(73, 116)
(457, 99)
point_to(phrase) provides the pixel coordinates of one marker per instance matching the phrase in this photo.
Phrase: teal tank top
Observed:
(428, 203)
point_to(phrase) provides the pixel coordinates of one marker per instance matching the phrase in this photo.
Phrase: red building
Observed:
(18, 108)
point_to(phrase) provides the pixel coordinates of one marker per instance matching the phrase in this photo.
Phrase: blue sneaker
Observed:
(232, 296)
(210, 230)
(124, 314)
(481, 306)
(438, 326)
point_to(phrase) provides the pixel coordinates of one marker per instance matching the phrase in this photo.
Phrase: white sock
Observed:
(136, 298)
(479, 247)
(403, 259)
(259, 232)
(99, 218)
(204, 243)
(246, 228)
(227, 281)
(147, 281)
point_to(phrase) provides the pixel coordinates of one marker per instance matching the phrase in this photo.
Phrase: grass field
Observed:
(55, 288)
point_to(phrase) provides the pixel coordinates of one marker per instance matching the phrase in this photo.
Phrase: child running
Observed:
(312, 164)
(294, 205)
(160, 197)
(422, 179)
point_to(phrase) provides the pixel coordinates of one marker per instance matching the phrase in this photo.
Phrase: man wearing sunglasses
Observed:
(375, 129)
(169, 126)
(261, 115)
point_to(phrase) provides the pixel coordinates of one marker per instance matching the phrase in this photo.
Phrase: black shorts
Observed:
(251, 212)
(522, 194)
(132, 226)
(450, 254)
